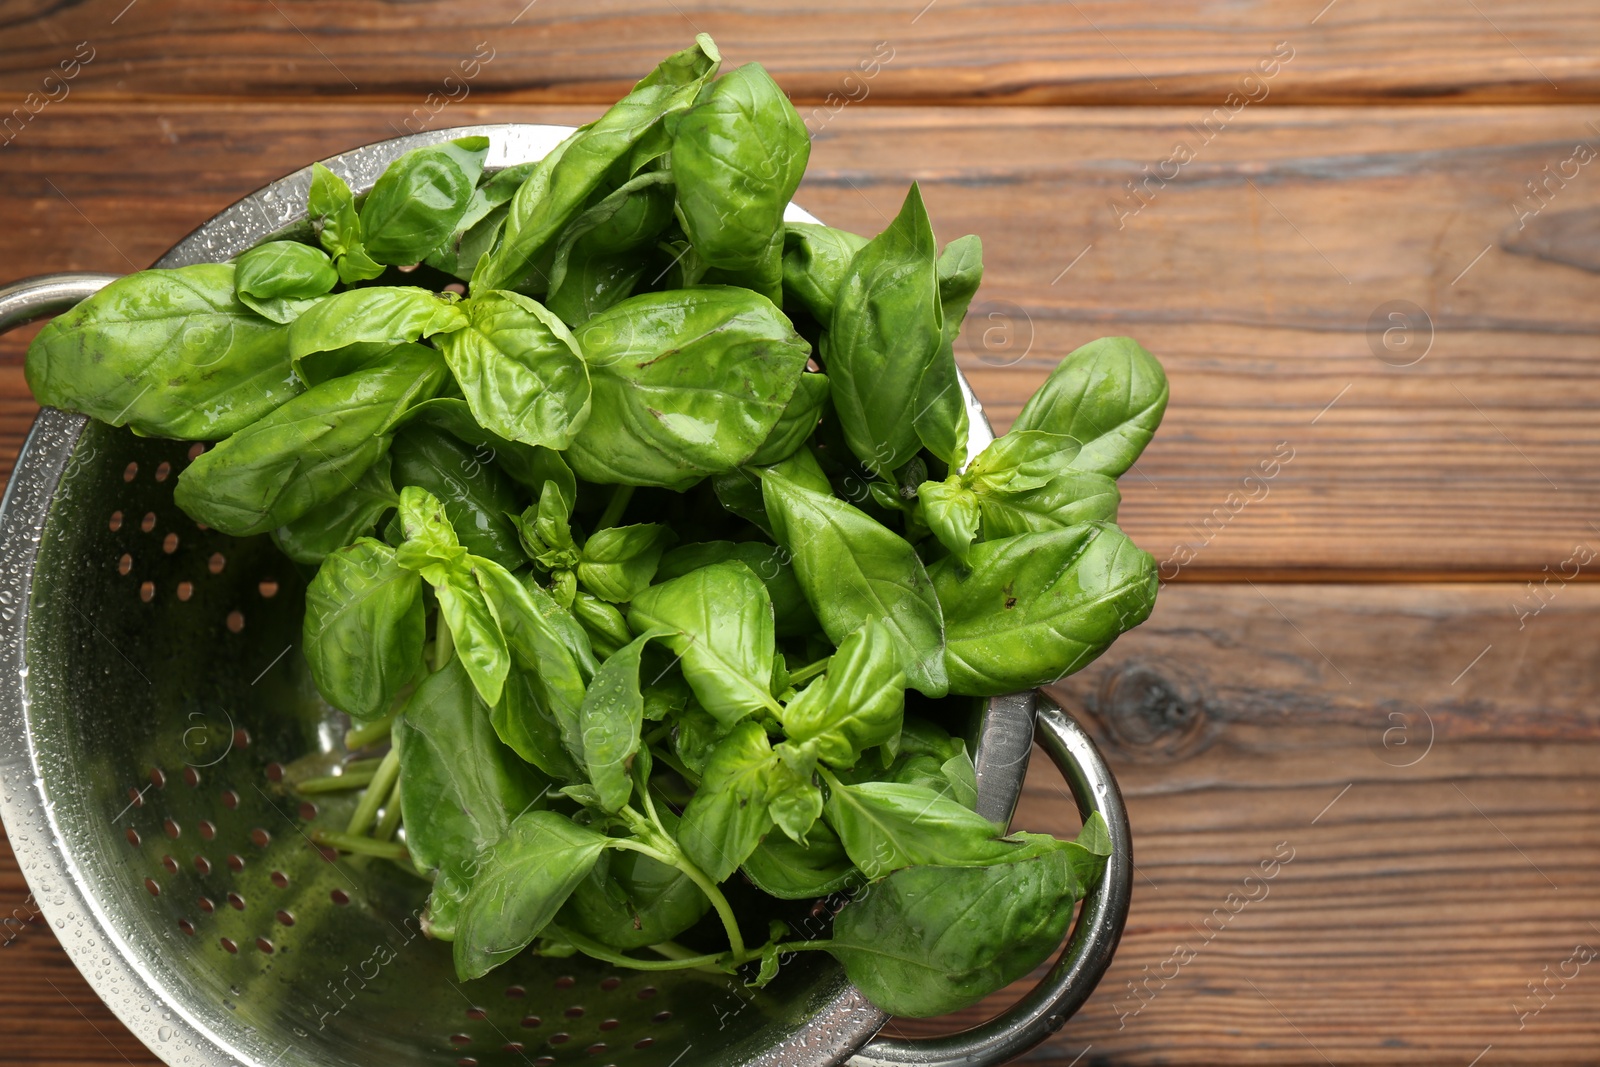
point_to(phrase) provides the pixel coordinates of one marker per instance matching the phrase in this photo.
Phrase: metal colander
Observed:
(149, 741)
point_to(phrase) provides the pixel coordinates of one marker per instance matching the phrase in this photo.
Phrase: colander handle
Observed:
(48, 294)
(1046, 1008)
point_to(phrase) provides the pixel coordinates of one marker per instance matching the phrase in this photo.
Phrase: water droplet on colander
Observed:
(164, 1033)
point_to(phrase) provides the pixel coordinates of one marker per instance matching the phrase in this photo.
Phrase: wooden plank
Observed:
(1398, 927)
(1094, 52)
(1256, 276)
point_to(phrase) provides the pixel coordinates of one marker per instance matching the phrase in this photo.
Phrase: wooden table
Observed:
(1370, 270)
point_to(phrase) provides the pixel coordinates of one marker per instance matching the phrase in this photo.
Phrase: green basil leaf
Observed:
(792, 616)
(527, 725)
(597, 261)
(1036, 607)
(857, 704)
(331, 207)
(609, 721)
(695, 736)
(277, 280)
(523, 881)
(363, 629)
(476, 497)
(387, 315)
(562, 182)
(952, 513)
(852, 568)
(1110, 394)
(737, 158)
(632, 901)
(480, 644)
(308, 451)
(429, 541)
(886, 826)
(797, 423)
(1021, 460)
(340, 521)
(170, 353)
(418, 199)
(686, 383)
(955, 777)
(931, 940)
(815, 261)
(520, 369)
(729, 814)
(1069, 499)
(459, 786)
(941, 421)
(618, 562)
(886, 328)
(781, 868)
(720, 624)
(529, 465)
(794, 800)
(603, 622)
(479, 226)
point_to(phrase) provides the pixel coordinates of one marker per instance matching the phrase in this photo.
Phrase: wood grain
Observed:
(966, 51)
(1426, 885)
(1256, 276)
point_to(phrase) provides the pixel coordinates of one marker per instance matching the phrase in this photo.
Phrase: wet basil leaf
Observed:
(598, 260)
(479, 226)
(737, 157)
(525, 723)
(719, 620)
(952, 513)
(277, 280)
(729, 814)
(603, 622)
(686, 383)
(476, 497)
(788, 871)
(1036, 607)
(631, 901)
(886, 826)
(618, 562)
(418, 199)
(529, 465)
(364, 628)
(308, 451)
(520, 370)
(941, 421)
(169, 353)
(382, 315)
(340, 521)
(562, 182)
(797, 423)
(609, 722)
(523, 881)
(331, 208)
(1110, 394)
(852, 568)
(1068, 499)
(792, 616)
(856, 705)
(886, 328)
(815, 261)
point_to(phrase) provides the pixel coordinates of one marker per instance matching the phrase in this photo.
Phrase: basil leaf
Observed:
(386, 315)
(695, 737)
(479, 226)
(459, 786)
(1110, 394)
(564, 180)
(886, 328)
(1036, 607)
(1021, 460)
(609, 721)
(793, 799)
(781, 868)
(524, 880)
(520, 370)
(815, 261)
(686, 383)
(729, 813)
(618, 562)
(952, 512)
(169, 353)
(331, 207)
(737, 157)
(418, 199)
(605, 625)
(476, 497)
(792, 616)
(1069, 499)
(856, 705)
(955, 777)
(340, 521)
(931, 940)
(363, 629)
(719, 621)
(597, 261)
(308, 451)
(632, 901)
(886, 826)
(797, 423)
(941, 420)
(525, 723)
(529, 465)
(852, 568)
(277, 280)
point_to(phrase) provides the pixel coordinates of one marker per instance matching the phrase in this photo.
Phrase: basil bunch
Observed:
(635, 591)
